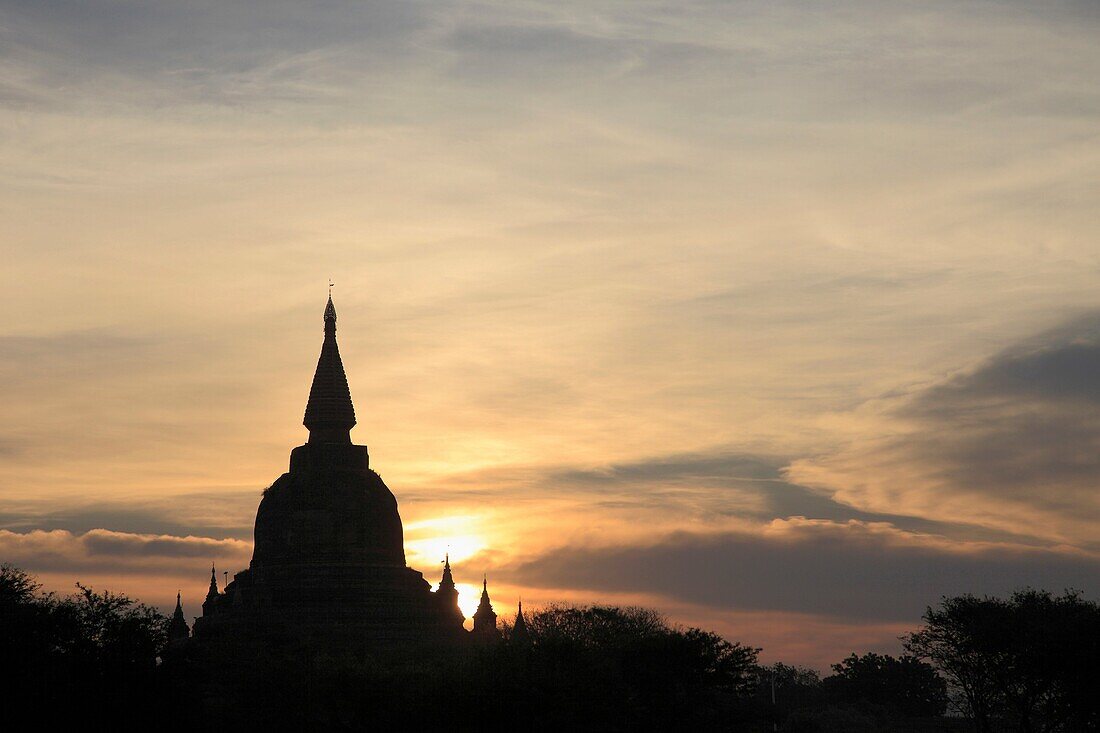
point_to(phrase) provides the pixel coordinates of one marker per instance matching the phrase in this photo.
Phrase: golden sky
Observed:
(780, 317)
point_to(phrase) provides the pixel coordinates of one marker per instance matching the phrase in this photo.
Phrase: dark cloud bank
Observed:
(216, 515)
(1025, 425)
(849, 571)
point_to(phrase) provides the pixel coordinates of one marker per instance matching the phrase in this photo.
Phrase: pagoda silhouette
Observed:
(328, 563)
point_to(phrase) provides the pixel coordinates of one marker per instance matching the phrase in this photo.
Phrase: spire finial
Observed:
(329, 412)
(330, 318)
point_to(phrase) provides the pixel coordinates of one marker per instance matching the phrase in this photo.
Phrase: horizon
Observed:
(778, 319)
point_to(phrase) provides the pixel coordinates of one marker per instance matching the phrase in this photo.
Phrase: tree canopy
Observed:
(1026, 663)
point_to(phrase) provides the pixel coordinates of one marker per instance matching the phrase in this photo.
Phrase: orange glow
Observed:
(659, 302)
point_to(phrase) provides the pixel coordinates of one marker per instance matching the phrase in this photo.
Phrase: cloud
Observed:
(225, 514)
(100, 542)
(706, 468)
(101, 551)
(852, 570)
(1058, 366)
(1012, 444)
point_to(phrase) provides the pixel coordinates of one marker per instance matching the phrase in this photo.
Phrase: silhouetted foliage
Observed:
(866, 693)
(832, 720)
(782, 689)
(1027, 663)
(90, 655)
(659, 672)
(902, 687)
(598, 668)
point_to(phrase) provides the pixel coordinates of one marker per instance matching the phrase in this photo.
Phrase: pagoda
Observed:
(329, 559)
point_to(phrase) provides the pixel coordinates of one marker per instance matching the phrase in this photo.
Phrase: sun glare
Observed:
(429, 552)
(427, 541)
(468, 597)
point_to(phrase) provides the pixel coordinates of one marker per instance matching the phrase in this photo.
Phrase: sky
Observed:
(780, 317)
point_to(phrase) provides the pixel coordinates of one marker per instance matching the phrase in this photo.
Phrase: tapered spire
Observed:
(330, 415)
(213, 582)
(447, 581)
(485, 618)
(177, 627)
(212, 594)
(519, 628)
(446, 597)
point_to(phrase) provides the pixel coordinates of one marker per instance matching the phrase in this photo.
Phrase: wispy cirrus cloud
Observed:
(1011, 444)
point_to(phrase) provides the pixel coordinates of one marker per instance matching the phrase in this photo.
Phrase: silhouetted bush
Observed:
(832, 720)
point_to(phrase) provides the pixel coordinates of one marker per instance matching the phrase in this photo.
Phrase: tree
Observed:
(903, 687)
(1027, 662)
(17, 589)
(84, 656)
(783, 689)
(28, 638)
(630, 668)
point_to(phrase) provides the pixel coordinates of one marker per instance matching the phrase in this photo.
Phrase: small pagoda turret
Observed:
(447, 595)
(520, 634)
(178, 631)
(212, 594)
(485, 618)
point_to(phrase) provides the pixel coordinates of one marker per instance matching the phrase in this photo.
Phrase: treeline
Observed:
(1023, 664)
